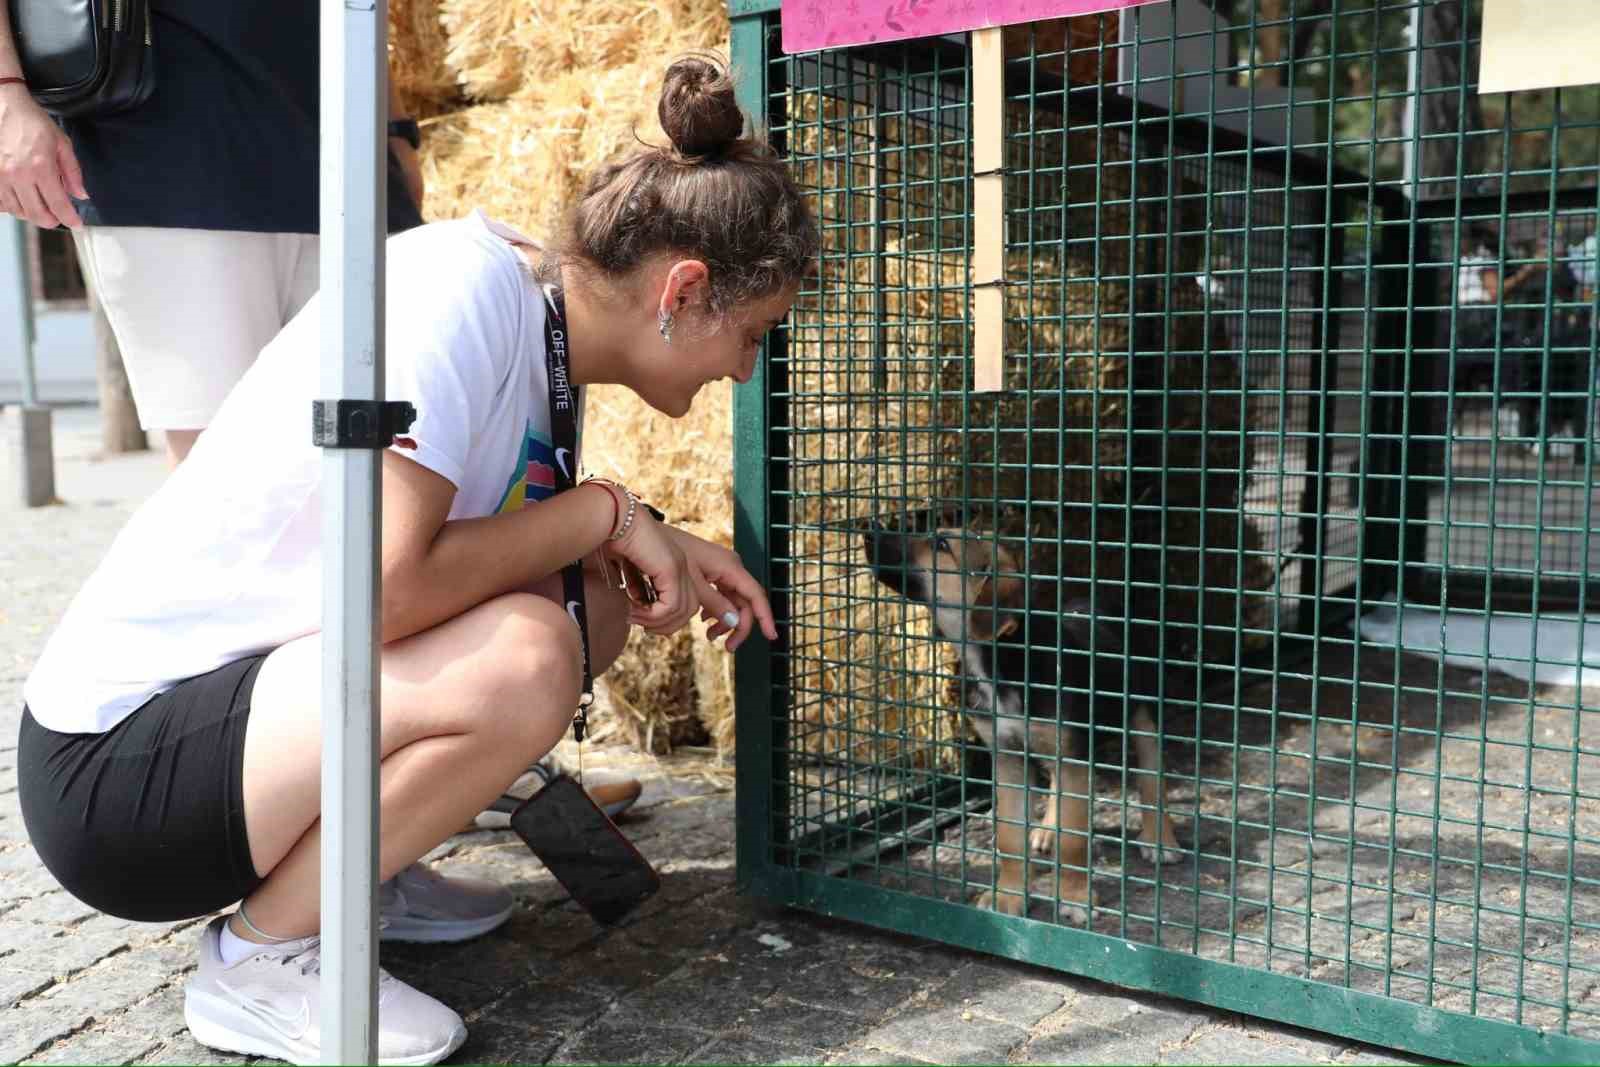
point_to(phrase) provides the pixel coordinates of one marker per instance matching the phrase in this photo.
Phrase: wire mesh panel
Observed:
(1137, 667)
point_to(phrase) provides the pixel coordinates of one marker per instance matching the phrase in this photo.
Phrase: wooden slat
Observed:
(989, 210)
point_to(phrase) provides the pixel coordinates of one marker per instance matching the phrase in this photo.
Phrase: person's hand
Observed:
(654, 553)
(38, 170)
(731, 599)
(410, 168)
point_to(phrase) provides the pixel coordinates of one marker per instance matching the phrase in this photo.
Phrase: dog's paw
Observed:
(1043, 841)
(1005, 901)
(1072, 913)
(1160, 853)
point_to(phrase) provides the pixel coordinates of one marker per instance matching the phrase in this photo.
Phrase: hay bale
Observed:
(426, 85)
(524, 160)
(676, 690)
(498, 48)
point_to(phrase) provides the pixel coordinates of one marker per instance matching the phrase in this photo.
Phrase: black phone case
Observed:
(586, 852)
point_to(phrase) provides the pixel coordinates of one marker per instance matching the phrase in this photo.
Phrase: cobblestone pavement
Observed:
(700, 975)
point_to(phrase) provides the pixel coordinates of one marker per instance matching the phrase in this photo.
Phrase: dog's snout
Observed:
(884, 546)
(885, 551)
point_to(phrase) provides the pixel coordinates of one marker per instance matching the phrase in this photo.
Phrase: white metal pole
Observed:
(33, 444)
(20, 290)
(353, 209)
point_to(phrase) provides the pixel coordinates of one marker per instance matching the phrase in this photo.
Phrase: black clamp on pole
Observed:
(359, 423)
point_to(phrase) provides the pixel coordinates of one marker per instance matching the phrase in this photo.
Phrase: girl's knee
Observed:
(531, 669)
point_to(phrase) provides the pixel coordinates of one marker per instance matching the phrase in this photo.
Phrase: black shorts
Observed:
(146, 821)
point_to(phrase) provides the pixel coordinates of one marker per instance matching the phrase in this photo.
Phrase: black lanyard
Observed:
(564, 400)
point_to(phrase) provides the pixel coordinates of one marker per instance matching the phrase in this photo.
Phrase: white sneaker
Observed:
(420, 904)
(270, 1004)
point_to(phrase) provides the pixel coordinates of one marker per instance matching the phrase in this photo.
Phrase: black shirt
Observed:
(228, 139)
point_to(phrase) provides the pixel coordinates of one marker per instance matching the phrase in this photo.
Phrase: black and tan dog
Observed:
(1030, 703)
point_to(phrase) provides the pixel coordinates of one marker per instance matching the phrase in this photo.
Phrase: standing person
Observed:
(1482, 361)
(168, 763)
(194, 213)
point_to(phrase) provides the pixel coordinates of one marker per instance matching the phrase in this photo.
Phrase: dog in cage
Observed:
(1030, 702)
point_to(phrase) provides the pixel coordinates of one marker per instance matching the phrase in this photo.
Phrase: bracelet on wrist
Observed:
(625, 503)
(616, 508)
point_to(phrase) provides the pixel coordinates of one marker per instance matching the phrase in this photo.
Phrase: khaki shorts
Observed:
(191, 309)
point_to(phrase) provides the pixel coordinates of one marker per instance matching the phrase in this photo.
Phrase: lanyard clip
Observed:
(580, 721)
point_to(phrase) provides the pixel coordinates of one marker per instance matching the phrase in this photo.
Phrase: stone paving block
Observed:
(744, 1049)
(16, 985)
(890, 955)
(27, 945)
(842, 984)
(1308, 1043)
(1089, 1044)
(104, 992)
(186, 1050)
(553, 1006)
(1010, 994)
(30, 883)
(58, 908)
(162, 1014)
(1368, 1056)
(864, 1057)
(1157, 1017)
(937, 1033)
(788, 1022)
(494, 1041)
(704, 995)
(31, 1026)
(81, 948)
(614, 964)
(1227, 1045)
(467, 976)
(99, 1046)
(542, 934)
(168, 958)
(628, 1042)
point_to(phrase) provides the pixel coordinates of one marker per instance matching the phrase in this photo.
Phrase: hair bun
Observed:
(698, 109)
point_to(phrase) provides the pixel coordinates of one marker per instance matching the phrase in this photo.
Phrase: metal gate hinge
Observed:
(359, 423)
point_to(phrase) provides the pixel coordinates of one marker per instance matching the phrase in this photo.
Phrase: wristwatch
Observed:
(407, 130)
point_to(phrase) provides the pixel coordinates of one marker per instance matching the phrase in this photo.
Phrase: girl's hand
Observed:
(655, 553)
(730, 597)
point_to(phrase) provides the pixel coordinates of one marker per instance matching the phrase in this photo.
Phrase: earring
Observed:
(664, 324)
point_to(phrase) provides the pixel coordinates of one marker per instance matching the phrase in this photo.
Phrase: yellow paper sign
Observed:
(1539, 44)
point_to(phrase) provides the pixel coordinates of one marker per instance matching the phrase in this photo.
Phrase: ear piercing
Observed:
(664, 324)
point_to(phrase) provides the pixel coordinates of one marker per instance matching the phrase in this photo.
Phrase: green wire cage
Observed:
(1297, 406)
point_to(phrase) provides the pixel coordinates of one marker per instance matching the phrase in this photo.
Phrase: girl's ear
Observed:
(688, 283)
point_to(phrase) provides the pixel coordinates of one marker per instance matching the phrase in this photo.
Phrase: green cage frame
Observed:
(1391, 458)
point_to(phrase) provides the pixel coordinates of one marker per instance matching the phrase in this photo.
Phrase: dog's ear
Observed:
(995, 609)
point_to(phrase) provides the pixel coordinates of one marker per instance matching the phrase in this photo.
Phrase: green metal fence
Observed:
(1299, 351)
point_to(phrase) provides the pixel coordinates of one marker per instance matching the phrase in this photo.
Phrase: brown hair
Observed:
(714, 194)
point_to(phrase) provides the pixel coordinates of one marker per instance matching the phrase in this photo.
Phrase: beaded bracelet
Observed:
(619, 530)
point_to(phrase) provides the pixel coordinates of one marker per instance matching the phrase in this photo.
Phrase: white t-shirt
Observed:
(224, 561)
(1470, 288)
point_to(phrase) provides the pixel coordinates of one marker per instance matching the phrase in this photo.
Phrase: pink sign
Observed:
(813, 24)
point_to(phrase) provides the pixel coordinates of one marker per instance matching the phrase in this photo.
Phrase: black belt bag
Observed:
(84, 57)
